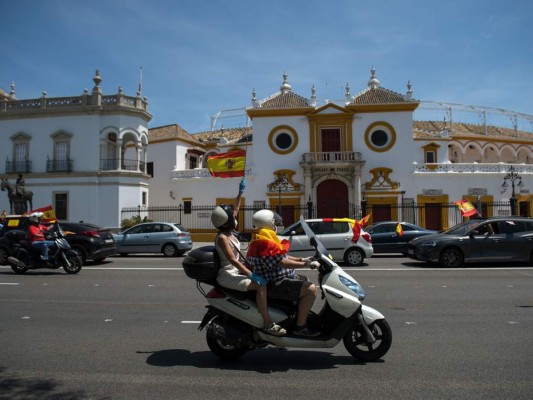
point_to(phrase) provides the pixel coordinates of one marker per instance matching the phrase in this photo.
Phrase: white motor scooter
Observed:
(234, 324)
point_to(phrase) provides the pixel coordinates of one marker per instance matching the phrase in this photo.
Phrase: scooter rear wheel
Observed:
(223, 351)
(357, 345)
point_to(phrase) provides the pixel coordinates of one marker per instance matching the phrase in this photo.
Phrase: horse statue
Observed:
(18, 202)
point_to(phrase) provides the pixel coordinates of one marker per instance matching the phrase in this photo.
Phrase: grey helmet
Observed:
(266, 219)
(222, 217)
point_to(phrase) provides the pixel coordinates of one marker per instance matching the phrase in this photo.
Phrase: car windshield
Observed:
(463, 227)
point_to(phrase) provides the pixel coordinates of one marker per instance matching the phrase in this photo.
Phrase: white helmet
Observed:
(266, 219)
(222, 217)
(35, 217)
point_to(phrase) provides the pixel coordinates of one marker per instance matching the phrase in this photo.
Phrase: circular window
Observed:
(283, 139)
(380, 136)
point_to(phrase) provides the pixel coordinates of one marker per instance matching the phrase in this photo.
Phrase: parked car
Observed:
(385, 238)
(91, 241)
(488, 239)
(154, 237)
(336, 235)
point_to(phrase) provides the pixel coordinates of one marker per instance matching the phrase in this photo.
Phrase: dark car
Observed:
(386, 239)
(90, 241)
(490, 239)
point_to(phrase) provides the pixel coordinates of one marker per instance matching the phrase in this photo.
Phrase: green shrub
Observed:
(129, 222)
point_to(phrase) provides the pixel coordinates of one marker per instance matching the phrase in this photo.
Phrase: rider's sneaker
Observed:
(305, 331)
(44, 258)
(275, 329)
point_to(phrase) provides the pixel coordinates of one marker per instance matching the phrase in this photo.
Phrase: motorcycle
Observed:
(24, 256)
(234, 325)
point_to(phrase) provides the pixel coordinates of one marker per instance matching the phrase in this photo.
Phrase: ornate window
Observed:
(283, 139)
(380, 136)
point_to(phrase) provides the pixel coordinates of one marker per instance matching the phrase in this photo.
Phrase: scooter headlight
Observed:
(353, 286)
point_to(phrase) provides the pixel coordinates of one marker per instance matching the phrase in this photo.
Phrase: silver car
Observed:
(154, 237)
(337, 236)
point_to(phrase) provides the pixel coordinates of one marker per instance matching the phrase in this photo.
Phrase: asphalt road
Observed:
(127, 329)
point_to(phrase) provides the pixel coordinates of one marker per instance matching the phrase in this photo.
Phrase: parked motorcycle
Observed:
(24, 256)
(234, 325)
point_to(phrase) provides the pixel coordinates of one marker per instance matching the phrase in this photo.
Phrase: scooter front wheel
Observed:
(224, 351)
(74, 263)
(358, 346)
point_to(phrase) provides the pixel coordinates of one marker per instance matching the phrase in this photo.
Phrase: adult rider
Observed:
(269, 258)
(36, 235)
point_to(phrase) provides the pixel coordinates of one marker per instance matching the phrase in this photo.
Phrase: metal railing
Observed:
(431, 216)
(113, 164)
(20, 167)
(59, 165)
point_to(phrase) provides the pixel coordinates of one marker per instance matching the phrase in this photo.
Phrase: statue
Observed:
(20, 199)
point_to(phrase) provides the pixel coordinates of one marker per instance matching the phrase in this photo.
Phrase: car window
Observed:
(181, 228)
(383, 228)
(136, 229)
(166, 228)
(329, 228)
(528, 226)
(406, 227)
(511, 227)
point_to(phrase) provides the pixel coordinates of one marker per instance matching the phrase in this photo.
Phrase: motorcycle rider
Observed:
(233, 274)
(269, 258)
(36, 234)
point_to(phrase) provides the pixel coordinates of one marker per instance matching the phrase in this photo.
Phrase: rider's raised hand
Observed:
(242, 185)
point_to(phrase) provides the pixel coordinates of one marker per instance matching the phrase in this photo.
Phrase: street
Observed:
(127, 329)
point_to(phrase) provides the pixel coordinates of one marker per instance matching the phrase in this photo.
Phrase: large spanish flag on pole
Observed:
(227, 165)
(467, 209)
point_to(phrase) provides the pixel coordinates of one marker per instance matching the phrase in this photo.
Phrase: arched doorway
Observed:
(332, 199)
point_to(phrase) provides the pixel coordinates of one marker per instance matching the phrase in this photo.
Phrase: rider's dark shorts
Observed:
(286, 289)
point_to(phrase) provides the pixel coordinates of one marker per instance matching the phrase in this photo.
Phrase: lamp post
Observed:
(512, 176)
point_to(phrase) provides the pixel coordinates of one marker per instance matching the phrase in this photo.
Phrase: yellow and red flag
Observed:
(3, 216)
(399, 229)
(48, 216)
(227, 165)
(364, 221)
(265, 242)
(467, 209)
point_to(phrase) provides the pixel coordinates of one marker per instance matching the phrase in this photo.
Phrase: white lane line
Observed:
(190, 322)
(9, 283)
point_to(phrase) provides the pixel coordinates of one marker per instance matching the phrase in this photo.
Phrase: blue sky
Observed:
(199, 57)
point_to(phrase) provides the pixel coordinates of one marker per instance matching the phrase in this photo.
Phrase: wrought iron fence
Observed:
(431, 216)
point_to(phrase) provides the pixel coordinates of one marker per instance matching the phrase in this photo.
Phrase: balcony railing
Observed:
(58, 165)
(112, 164)
(18, 167)
(332, 157)
(472, 168)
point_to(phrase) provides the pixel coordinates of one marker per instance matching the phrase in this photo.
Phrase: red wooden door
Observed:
(332, 199)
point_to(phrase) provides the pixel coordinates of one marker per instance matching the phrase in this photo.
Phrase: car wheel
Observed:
(3, 256)
(451, 257)
(354, 257)
(169, 250)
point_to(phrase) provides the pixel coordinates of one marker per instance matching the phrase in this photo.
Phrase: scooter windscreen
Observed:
(313, 239)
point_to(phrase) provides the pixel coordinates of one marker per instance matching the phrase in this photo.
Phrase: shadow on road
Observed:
(263, 361)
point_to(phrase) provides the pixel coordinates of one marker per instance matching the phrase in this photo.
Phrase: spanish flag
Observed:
(364, 220)
(399, 229)
(265, 242)
(467, 209)
(48, 214)
(227, 165)
(354, 224)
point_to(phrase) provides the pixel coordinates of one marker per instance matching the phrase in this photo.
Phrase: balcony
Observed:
(112, 164)
(58, 165)
(18, 167)
(333, 157)
(471, 168)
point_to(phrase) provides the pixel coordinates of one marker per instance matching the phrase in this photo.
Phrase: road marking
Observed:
(190, 322)
(9, 283)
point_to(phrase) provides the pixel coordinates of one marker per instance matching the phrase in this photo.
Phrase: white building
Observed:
(85, 155)
(366, 150)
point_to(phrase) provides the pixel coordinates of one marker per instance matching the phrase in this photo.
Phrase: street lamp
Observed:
(512, 176)
(280, 183)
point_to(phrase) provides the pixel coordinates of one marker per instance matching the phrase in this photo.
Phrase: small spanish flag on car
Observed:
(227, 165)
(399, 229)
